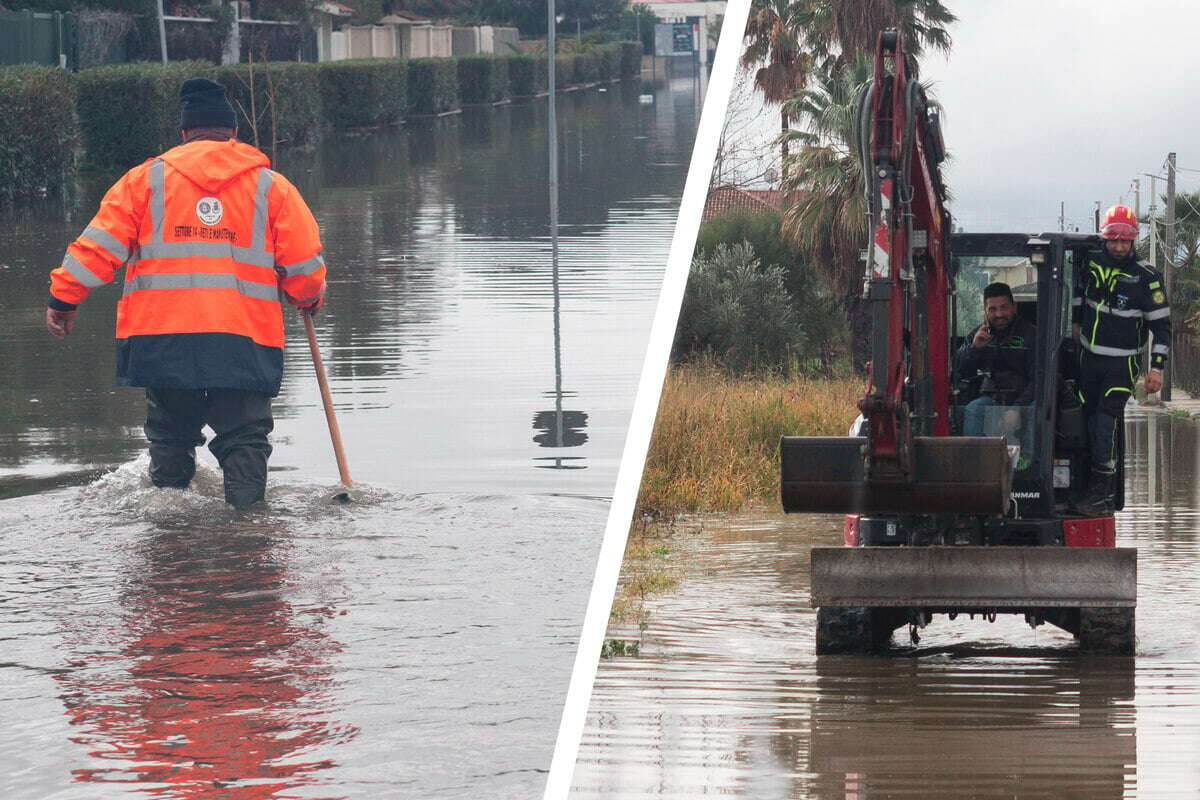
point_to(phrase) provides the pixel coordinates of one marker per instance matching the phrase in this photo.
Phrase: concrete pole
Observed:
(1169, 260)
(162, 32)
(552, 125)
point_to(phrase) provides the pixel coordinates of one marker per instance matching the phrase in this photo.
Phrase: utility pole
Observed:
(1096, 228)
(1169, 256)
(1062, 216)
(1137, 197)
(162, 32)
(1154, 221)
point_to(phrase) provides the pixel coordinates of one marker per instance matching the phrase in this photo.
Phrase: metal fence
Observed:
(27, 37)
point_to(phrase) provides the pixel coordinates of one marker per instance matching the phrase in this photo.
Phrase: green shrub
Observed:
(818, 313)
(364, 92)
(38, 131)
(587, 67)
(432, 85)
(526, 74)
(631, 59)
(564, 71)
(482, 79)
(737, 312)
(284, 107)
(130, 112)
(609, 57)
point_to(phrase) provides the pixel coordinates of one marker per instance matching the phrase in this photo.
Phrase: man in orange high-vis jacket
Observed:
(212, 242)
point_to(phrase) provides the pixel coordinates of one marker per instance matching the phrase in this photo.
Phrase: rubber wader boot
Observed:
(1099, 500)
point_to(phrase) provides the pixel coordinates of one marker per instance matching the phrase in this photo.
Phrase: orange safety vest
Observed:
(212, 241)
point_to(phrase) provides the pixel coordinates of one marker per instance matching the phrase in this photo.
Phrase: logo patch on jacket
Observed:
(209, 210)
(1160, 298)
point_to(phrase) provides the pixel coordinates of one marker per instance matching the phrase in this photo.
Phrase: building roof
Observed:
(728, 198)
(405, 18)
(334, 8)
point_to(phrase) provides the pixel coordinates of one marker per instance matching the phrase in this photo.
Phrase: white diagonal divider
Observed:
(645, 406)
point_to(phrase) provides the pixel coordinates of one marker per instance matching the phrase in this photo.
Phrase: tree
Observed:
(848, 29)
(773, 34)
(827, 215)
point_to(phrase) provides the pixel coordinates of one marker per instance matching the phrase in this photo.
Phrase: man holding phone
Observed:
(999, 353)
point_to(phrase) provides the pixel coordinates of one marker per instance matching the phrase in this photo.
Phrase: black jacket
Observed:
(1009, 357)
(1116, 303)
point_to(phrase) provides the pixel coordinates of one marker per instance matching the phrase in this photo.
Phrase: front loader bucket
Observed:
(975, 577)
(952, 474)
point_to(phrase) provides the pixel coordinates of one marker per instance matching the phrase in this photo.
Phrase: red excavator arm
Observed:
(909, 463)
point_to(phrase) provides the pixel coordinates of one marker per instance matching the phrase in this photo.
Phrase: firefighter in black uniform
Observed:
(1117, 300)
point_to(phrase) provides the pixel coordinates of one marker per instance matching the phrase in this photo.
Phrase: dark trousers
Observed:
(241, 419)
(1107, 384)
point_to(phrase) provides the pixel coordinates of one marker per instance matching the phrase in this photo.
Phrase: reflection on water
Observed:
(727, 697)
(418, 642)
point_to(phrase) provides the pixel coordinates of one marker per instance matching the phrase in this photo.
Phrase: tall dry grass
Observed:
(716, 439)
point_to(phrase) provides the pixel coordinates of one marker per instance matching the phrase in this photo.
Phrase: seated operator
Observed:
(1000, 353)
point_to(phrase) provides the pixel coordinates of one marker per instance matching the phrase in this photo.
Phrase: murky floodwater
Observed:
(727, 697)
(418, 642)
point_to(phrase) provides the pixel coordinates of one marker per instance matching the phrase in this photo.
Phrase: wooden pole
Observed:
(335, 434)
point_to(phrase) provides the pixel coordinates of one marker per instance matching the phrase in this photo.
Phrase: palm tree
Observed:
(773, 34)
(826, 216)
(848, 29)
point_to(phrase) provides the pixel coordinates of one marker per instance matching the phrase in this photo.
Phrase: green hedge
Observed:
(526, 74)
(364, 93)
(38, 131)
(631, 59)
(432, 85)
(564, 70)
(124, 114)
(286, 102)
(482, 79)
(130, 112)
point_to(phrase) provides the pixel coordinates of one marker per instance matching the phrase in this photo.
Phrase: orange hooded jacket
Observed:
(212, 241)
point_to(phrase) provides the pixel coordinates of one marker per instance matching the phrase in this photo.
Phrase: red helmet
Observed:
(1119, 223)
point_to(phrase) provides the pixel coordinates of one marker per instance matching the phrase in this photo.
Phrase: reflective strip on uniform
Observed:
(259, 233)
(243, 255)
(81, 273)
(109, 242)
(1116, 312)
(1076, 301)
(158, 200)
(1160, 349)
(306, 267)
(1101, 350)
(203, 280)
(1158, 313)
(1118, 389)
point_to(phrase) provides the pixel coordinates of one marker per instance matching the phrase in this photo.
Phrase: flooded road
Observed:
(728, 699)
(418, 642)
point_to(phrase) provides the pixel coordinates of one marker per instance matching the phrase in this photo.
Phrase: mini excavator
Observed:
(938, 522)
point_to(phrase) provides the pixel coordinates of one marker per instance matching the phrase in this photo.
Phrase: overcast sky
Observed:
(1065, 100)
(1062, 100)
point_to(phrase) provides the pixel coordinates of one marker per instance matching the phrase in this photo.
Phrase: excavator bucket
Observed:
(951, 474)
(975, 577)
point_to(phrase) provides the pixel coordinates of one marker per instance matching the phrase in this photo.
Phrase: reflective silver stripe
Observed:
(1101, 350)
(1077, 301)
(81, 273)
(259, 235)
(1116, 312)
(109, 242)
(307, 267)
(203, 280)
(1160, 349)
(1158, 313)
(243, 255)
(158, 201)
